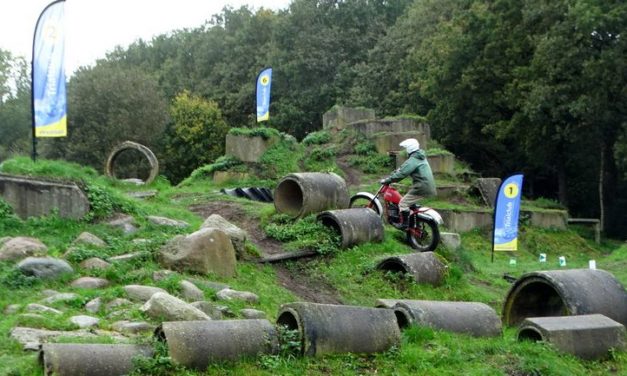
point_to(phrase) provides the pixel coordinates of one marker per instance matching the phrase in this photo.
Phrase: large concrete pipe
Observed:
(195, 344)
(336, 329)
(73, 359)
(565, 293)
(476, 319)
(311, 192)
(355, 226)
(426, 267)
(586, 336)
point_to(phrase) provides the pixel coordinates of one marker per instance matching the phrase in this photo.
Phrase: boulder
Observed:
(12, 309)
(209, 309)
(228, 294)
(44, 267)
(132, 327)
(94, 305)
(128, 257)
(451, 240)
(165, 306)
(237, 235)
(34, 307)
(94, 263)
(90, 283)
(117, 302)
(160, 275)
(87, 238)
(163, 221)
(124, 222)
(190, 291)
(84, 321)
(141, 293)
(252, 314)
(31, 338)
(205, 251)
(60, 297)
(15, 249)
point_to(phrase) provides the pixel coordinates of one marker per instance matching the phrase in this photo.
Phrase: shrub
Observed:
(317, 138)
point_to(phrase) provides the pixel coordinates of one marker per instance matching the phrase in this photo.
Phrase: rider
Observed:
(416, 166)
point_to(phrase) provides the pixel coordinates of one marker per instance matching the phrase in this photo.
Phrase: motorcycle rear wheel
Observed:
(423, 235)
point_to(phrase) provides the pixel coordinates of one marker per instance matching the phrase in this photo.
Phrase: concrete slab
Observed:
(338, 117)
(585, 336)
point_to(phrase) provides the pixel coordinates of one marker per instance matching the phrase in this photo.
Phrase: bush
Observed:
(264, 133)
(306, 233)
(317, 138)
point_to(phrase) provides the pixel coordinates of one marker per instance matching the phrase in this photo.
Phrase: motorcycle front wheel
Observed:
(363, 201)
(423, 235)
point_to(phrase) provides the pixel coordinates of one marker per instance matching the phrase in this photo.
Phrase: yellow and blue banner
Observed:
(506, 213)
(264, 83)
(48, 73)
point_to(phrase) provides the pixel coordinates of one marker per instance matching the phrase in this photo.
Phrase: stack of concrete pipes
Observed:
(326, 194)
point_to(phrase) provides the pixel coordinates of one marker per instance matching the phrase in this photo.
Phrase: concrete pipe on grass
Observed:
(70, 359)
(586, 336)
(425, 267)
(476, 319)
(311, 192)
(130, 145)
(565, 293)
(337, 329)
(355, 226)
(196, 344)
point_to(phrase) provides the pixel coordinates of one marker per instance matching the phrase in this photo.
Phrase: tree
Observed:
(15, 109)
(195, 137)
(109, 104)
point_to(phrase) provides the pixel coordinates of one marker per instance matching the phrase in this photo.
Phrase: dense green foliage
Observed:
(531, 86)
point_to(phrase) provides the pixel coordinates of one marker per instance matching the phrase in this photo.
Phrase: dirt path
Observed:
(293, 278)
(353, 177)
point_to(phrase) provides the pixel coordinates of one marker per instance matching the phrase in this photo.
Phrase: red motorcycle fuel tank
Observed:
(392, 195)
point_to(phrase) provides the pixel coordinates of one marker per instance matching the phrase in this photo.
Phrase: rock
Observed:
(190, 291)
(31, 316)
(141, 293)
(237, 235)
(60, 297)
(226, 311)
(83, 321)
(44, 267)
(31, 338)
(94, 263)
(209, 309)
(210, 285)
(163, 305)
(118, 315)
(33, 307)
(204, 251)
(117, 302)
(128, 257)
(143, 194)
(134, 181)
(49, 292)
(12, 309)
(163, 221)
(124, 222)
(451, 240)
(252, 314)
(160, 275)
(15, 249)
(89, 239)
(132, 327)
(90, 283)
(228, 294)
(94, 305)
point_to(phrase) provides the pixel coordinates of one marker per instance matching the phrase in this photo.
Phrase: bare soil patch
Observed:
(353, 176)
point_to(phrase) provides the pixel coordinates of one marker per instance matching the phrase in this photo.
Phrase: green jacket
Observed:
(417, 166)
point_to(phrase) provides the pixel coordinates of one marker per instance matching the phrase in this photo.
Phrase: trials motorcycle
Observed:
(422, 231)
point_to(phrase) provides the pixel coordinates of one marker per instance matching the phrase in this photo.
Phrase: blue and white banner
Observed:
(49, 99)
(264, 83)
(506, 213)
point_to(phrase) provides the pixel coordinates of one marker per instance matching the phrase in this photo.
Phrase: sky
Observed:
(95, 27)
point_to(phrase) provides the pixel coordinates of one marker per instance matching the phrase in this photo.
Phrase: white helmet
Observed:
(411, 145)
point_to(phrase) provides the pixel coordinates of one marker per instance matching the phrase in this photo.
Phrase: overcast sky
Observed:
(94, 27)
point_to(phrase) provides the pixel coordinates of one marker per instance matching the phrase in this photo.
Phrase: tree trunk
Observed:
(601, 183)
(561, 184)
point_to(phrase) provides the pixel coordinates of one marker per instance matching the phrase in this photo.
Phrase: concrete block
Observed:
(248, 149)
(387, 141)
(442, 163)
(451, 240)
(31, 197)
(585, 336)
(228, 176)
(548, 219)
(370, 128)
(489, 188)
(338, 117)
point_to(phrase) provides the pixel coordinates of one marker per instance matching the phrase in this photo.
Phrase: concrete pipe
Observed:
(426, 267)
(355, 226)
(476, 319)
(565, 293)
(130, 145)
(70, 359)
(311, 192)
(587, 336)
(337, 329)
(195, 344)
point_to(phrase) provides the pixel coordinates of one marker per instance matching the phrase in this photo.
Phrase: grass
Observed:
(348, 274)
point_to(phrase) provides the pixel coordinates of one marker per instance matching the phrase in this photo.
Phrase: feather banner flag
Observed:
(264, 83)
(48, 73)
(506, 212)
